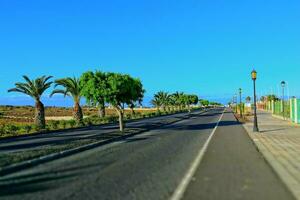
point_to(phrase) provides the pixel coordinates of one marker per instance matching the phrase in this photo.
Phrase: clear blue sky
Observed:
(204, 47)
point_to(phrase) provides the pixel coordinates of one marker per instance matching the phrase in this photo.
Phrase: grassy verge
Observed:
(11, 130)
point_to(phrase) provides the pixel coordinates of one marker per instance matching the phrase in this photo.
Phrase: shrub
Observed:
(2, 130)
(27, 128)
(37, 128)
(112, 119)
(54, 125)
(128, 116)
(72, 123)
(12, 129)
(137, 114)
(88, 122)
(63, 124)
(97, 120)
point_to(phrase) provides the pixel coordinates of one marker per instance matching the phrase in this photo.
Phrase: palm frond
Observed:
(34, 88)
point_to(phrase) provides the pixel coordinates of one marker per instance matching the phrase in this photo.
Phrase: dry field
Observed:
(21, 115)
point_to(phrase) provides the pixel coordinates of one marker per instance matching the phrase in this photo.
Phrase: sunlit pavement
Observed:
(278, 141)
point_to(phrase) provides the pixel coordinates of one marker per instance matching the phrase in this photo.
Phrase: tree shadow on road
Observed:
(41, 181)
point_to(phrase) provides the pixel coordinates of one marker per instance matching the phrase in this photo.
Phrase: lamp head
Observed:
(253, 75)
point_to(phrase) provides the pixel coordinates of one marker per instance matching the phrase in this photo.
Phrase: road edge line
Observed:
(181, 188)
(54, 156)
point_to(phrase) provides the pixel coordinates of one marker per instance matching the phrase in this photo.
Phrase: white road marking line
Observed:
(179, 192)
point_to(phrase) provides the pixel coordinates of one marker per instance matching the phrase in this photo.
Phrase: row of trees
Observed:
(176, 101)
(98, 88)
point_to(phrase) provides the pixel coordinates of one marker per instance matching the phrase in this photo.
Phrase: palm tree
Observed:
(172, 101)
(180, 99)
(157, 103)
(163, 98)
(73, 89)
(35, 89)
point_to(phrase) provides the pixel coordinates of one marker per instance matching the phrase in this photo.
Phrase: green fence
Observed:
(295, 110)
(280, 108)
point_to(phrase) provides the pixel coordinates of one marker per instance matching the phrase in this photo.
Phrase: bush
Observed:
(37, 128)
(112, 118)
(72, 123)
(54, 125)
(27, 128)
(63, 124)
(88, 121)
(153, 114)
(12, 129)
(128, 116)
(148, 114)
(97, 120)
(2, 130)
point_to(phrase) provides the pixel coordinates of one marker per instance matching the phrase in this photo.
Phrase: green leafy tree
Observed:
(35, 89)
(191, 100)
(137, 94)
(121, 91)
(94, 88)
(72, 88)
(204, 102)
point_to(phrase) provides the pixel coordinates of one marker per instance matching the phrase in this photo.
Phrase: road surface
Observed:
(153, 165)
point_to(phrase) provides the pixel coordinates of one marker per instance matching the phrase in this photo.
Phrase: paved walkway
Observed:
(232, 168)
(279, 142)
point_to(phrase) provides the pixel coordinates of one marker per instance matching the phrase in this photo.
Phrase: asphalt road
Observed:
(152, 165)
(147, 166)
(94, 132)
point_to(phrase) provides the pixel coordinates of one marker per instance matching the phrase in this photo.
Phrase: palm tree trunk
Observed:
(77, 113)
(101, 110)
(121, 119)
(39, 117)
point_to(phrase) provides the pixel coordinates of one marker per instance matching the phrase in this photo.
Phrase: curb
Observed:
(288, 180)
(43, 159)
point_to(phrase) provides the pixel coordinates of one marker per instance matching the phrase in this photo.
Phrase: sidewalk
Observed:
(279, 142)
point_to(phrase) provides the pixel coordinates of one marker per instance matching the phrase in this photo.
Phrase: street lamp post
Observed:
(253, 76)
(283, 85)
(241, 113)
